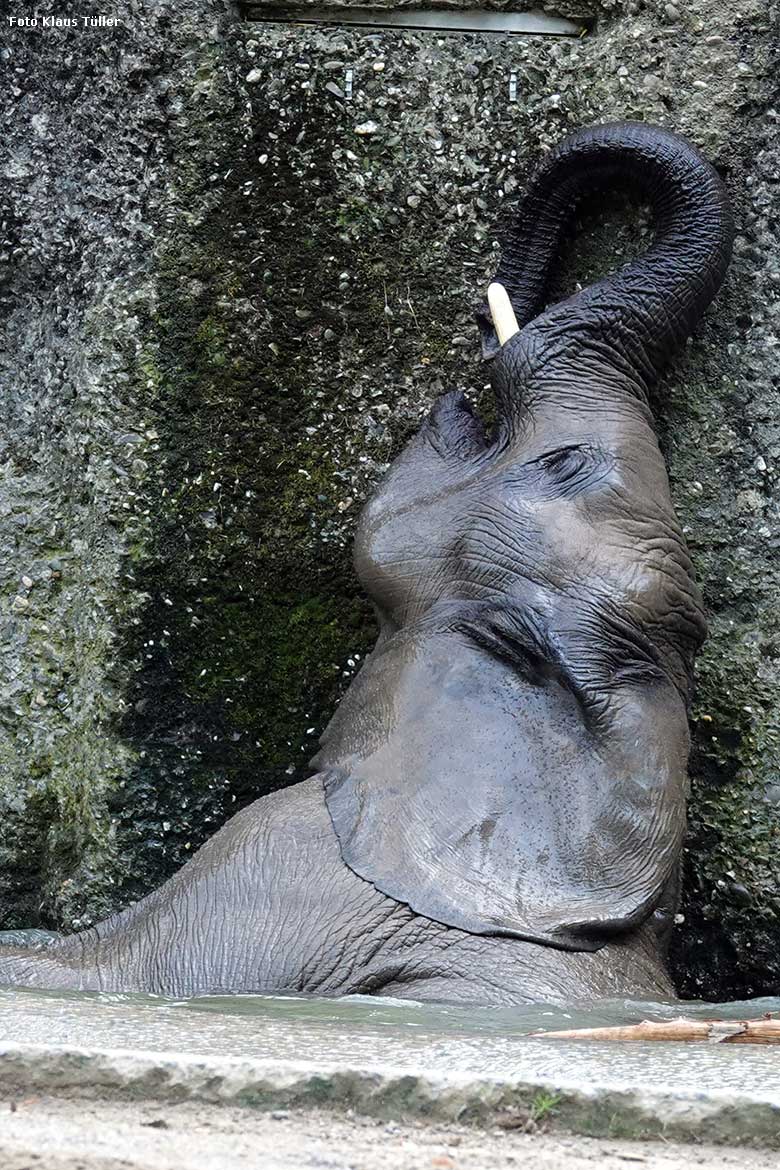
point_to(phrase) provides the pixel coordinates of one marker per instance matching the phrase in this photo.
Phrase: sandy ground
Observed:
(42, 1133)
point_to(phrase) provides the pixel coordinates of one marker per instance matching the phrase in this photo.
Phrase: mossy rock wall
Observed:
(230, 292)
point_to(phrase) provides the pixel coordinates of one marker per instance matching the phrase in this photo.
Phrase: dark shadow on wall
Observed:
(258, 347)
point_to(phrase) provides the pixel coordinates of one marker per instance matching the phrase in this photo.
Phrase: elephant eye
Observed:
(564, 461)
(566, 464)
(564, 471)
(569, 469)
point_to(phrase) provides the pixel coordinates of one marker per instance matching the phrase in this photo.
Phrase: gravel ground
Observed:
(41, 1133)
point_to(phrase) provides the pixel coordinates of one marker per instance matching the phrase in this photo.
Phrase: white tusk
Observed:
(504, 319)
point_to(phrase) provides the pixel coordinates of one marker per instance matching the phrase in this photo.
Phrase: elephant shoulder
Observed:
(280, 844)
(297, 815)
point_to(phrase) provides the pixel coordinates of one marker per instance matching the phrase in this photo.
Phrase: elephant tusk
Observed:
(504, 319)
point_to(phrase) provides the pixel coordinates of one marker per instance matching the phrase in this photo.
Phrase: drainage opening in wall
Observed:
(442, 20)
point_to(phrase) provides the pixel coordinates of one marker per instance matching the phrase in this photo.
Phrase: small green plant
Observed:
(543, 1105)
(534, 1118)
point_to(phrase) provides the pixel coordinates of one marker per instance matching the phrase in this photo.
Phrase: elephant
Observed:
(496, 810)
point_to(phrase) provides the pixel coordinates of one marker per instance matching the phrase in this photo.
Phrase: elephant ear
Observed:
(486, 799)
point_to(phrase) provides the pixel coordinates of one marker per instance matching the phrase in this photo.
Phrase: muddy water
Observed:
(365, 1031)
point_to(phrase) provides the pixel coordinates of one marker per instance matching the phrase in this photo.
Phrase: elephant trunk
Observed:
(634, 320)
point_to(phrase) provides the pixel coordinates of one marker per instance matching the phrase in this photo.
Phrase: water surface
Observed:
(382, 1033)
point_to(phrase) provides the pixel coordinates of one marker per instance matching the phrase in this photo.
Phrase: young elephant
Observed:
(499, 803)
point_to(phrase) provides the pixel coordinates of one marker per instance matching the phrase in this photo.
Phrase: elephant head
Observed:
(512, 758)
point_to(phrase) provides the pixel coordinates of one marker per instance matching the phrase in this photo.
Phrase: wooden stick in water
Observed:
(504, 319)
(763, 1031)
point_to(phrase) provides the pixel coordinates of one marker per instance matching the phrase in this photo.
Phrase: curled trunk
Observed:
(638, 317)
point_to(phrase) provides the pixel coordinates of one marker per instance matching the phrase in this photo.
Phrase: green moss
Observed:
(730, 904)
(276, 663)
(252, 618)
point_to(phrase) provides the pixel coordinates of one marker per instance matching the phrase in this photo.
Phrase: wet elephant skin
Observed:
(498, 804)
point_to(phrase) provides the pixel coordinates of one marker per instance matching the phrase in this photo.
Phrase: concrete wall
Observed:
(230, 294)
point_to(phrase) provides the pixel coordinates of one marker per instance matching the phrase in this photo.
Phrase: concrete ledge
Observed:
(722, 1117)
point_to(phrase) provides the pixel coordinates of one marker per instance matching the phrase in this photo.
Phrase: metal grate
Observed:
(421, 19)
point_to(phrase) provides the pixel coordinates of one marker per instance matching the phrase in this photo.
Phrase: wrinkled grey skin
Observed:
(499, 803)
